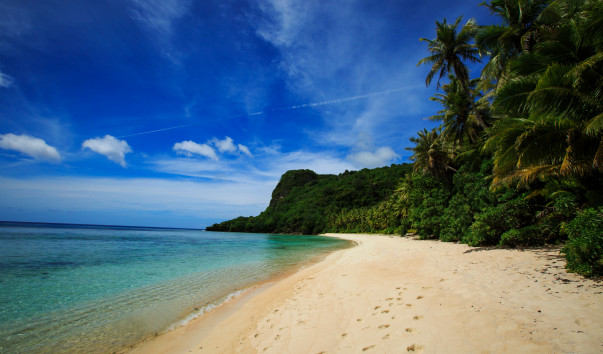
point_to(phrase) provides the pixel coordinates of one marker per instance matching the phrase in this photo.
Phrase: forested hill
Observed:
(303, 202)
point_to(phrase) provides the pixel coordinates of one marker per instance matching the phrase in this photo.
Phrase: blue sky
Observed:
(182, 113)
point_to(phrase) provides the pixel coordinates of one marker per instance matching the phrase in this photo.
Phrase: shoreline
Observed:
(203, 319)
(394, 294)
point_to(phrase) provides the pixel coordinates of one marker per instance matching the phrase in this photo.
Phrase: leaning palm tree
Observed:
(431, 153)
(449, 50)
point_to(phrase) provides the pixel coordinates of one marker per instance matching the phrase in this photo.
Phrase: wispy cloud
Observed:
(158, 15)
(190, 148)
(245, 150)
(5, 80)
(114, 149)
(158, 18)
(34, 147)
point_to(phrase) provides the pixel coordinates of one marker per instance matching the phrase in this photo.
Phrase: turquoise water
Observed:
(74, 288)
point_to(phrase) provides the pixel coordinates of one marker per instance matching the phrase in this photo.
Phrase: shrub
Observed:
(471, 195)
(427, 199)
(494, 221)
(526, 236)
(584, 249)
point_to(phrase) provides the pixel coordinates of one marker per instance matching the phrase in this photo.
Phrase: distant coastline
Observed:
(116, 227)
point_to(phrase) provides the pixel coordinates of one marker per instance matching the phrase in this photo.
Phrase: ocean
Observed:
(99, 289)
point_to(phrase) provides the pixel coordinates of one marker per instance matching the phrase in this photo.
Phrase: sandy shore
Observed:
(394, 295)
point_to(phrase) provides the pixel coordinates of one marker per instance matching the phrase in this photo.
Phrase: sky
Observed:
(182, 113)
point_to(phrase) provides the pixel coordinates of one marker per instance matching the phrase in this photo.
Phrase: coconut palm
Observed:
(449, 50)
(458, 120)
(550, 114)
(431, 153)
(518, 33)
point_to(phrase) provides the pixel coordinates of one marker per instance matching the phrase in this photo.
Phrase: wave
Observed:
(207, 308)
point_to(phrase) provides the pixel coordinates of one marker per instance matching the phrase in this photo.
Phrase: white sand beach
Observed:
(396, 295)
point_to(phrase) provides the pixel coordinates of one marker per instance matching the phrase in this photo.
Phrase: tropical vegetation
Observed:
(517, 159)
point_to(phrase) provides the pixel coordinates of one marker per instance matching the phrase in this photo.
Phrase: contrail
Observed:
(155, 131)
(305, 105)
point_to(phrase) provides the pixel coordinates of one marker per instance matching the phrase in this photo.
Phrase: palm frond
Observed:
(594, 126)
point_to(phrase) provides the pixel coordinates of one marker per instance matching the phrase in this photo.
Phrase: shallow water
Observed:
(74, 288)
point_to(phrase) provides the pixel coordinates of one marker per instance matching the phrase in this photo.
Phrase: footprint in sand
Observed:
(359, 319)
(377, 307)
(419, 297)
(408, 305)
(413, 348)
(385, 336)
(367, 348)
(417, 317)
(409, 330)
(389, 299)
(385, 311)
(344, 334)
(383, 326)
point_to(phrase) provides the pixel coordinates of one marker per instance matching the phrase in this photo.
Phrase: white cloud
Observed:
(245, 150)
(381, 157)
(189, 148)
(225, 145)
(114, 149)
(5, 80)
(34, 147)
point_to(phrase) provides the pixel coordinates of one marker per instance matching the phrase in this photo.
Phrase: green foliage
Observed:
(526, 236)
(426, 200)
(470, 196)
(495, 220)
(584, 249)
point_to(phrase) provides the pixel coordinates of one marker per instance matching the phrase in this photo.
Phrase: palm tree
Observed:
(518, 33)
(458, 120)
(449, 51)
(431, 153)
(550, 111)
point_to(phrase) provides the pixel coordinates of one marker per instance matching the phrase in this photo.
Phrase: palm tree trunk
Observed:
(461, 73)
(478, 116)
